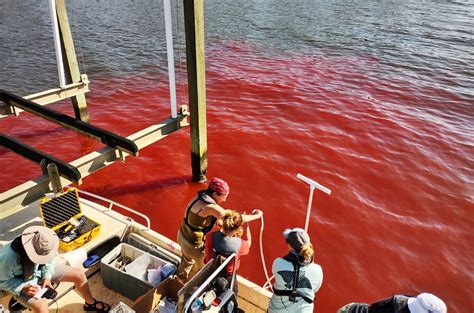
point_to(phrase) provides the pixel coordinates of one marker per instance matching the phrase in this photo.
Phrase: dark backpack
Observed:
(294, 293)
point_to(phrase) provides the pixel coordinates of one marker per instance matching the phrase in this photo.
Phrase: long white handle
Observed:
(313, 184)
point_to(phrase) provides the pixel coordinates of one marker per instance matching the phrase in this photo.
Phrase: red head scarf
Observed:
(218, 185)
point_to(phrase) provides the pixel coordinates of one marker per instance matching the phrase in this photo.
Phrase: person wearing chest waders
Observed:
(201, 215)
(423, 303)
(297, 278)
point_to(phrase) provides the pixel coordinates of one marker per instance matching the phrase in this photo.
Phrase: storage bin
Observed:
(130, 279)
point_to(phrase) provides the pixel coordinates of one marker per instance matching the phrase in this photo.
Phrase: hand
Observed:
(30, 290)
(47, 283)
(257, 212)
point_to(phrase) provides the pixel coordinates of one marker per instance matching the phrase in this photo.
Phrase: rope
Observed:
(262, 256)
(76, 33)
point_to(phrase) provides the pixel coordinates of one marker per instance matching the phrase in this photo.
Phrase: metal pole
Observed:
(308, 212)
(312, 185)
(170, 53)
(57, 44)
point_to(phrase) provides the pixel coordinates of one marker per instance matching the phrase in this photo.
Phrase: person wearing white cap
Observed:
(297, 278)
(426, 303)
(423, 303)
(27, 264)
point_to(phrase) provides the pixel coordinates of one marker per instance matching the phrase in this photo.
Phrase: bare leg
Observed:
(80, 282)
(39, 306)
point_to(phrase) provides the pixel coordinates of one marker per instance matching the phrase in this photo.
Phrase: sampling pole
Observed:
(312, 185)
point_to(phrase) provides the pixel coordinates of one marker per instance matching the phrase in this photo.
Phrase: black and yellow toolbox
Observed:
(63, 214)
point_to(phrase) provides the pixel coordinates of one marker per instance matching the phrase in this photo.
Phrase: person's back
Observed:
(296, 266)
(229, 240)
(309, 281)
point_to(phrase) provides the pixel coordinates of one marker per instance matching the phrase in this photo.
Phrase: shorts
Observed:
(59, 270)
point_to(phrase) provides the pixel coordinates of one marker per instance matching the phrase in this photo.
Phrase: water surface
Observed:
(374, 100)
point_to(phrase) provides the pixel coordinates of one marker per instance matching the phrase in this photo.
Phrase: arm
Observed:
(47, 271)
(248, 236)
(256, 214)
(13, 285)
(213, 209)
(274, 268)
(208, 248)
(10, 271)
(219, 212)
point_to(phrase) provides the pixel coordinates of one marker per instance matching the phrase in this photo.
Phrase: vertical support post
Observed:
(194, 29)
(70, 61)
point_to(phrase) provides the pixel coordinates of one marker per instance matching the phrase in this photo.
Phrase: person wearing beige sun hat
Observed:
(40, 243)
(27, 264)
(422, 303)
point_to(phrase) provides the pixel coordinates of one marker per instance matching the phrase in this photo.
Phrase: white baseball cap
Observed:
(426, 303)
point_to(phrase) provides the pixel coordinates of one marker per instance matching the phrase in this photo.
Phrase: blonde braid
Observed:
(307, 251)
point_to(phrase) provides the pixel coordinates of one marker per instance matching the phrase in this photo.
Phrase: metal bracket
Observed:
(119, 154)
(43, 164)
(54, 178)
(183, 114)
(184, 110)
(85, 79)
(14, 110)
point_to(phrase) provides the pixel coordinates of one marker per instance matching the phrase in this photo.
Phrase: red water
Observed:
(397, 157)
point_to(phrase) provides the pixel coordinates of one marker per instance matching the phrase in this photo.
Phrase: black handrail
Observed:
(64, 120)
(65, 169)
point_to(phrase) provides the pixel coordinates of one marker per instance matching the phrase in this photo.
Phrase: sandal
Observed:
(93, 307)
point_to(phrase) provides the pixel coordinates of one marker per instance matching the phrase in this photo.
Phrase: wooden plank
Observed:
(72, 67)
(50, 96)
(194, 28)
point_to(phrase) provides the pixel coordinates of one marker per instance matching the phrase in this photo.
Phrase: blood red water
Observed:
(397, 158)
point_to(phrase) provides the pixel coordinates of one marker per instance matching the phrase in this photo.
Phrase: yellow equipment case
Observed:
(63, 214)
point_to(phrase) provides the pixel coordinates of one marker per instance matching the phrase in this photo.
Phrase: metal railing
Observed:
(112, 203)
(207, 282)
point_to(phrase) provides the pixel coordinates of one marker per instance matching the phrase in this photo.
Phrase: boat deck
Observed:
(112, 224)
(252, 298)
